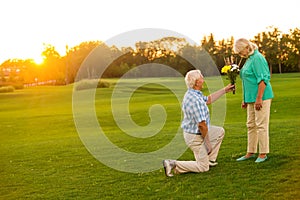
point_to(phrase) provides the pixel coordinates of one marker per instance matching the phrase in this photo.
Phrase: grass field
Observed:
(42, 156)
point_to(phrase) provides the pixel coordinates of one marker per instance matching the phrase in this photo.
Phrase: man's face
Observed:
(199, 82)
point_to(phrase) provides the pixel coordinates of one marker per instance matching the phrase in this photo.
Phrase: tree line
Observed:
(280, 49)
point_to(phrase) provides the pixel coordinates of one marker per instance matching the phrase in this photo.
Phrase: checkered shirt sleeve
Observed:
(195, 110)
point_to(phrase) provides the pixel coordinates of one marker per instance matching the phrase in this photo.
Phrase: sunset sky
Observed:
(27, 24)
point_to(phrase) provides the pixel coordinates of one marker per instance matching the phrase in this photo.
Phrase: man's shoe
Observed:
(245, 158)
(259, 160)
(212, 163)
(168, 166)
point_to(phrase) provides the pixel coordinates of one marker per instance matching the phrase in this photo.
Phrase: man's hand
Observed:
(204, 130)
(207, 145)
(229, 88)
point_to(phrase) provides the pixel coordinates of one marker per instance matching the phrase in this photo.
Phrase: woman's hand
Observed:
(258, 104)
(244, 105)
(259, 101)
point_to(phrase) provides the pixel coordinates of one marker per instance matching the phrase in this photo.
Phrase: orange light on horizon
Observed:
(38, 60)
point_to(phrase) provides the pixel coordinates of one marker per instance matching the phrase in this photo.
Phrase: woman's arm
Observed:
(260, 93)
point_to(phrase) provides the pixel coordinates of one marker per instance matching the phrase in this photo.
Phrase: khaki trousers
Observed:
(258, 127)
(196, 144)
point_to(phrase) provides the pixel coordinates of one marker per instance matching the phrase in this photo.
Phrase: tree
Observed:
(225, 53)
(268, 43)
(209, 45)
(294, 44)
(53, 67)
(274, 52)
(74, 58)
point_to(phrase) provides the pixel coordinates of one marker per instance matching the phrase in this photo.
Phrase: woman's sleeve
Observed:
(261, 70)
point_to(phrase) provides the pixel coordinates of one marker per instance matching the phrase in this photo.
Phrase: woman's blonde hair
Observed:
(191, 77)
(242, 44)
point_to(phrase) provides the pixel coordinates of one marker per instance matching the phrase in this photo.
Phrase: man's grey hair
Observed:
(191, 77)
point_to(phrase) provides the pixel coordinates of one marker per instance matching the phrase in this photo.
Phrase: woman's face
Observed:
(244, 53)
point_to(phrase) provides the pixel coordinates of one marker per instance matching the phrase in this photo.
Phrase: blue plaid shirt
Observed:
(195, 110)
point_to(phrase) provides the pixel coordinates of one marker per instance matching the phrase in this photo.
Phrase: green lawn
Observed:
(42, 156)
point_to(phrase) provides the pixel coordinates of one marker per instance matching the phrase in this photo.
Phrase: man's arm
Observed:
(216, 95)
(204, 130)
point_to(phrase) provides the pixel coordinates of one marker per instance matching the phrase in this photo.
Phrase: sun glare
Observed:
(38, 60)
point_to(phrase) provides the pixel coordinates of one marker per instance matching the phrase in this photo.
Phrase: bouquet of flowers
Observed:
(232, 71)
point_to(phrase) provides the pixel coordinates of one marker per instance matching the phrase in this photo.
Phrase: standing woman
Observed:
(257, 97)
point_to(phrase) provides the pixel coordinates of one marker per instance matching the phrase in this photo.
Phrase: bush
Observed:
(90, 84)
(16, 85)
(6, 89)
(103, 84)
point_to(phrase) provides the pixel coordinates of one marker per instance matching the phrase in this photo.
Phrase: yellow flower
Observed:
(225, 69)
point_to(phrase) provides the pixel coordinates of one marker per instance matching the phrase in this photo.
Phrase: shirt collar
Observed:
(195, 91)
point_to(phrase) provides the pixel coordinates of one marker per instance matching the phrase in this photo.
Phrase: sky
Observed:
(26, 25)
